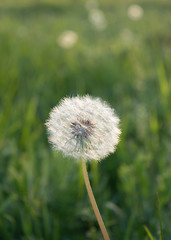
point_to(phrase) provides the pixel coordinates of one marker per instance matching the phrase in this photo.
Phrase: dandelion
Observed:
(84, 128)
(135, 12)
(67, 39)
(97, 18)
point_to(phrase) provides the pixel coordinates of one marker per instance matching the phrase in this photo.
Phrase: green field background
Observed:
(128, 64)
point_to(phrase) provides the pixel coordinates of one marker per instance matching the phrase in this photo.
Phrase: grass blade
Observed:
(148, 233)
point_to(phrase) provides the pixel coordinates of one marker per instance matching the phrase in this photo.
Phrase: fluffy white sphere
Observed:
(135, 12)
(83, 127)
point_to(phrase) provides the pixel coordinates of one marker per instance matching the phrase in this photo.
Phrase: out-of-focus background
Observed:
(117, 50)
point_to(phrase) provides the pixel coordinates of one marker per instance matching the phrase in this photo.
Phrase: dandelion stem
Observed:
(93, 202)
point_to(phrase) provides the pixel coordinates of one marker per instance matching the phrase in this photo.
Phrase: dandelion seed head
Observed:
(97, 18)
(83, 127)
(135, 12)
(67, 39)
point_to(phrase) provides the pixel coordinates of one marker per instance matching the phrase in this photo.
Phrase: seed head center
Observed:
(82, 129)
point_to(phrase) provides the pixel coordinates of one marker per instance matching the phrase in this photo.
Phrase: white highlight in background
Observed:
(67, 39)
(97, 18)
(135, 12)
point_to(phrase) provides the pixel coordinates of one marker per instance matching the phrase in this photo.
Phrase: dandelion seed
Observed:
(97, 18)
(67, 39)
(135, 12)
(83, 127)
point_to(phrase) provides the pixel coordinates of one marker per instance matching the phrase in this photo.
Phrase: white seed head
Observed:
(83, 127)
(97, 18)
(67, 39)
(135, 12)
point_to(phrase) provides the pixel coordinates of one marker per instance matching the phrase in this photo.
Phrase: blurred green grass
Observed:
(42, 194)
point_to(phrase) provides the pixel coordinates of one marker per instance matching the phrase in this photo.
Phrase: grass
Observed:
(42, 194)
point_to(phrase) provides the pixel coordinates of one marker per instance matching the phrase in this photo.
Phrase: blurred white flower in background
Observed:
(83, 127)
(67, 39)
(90, 4)
(97, 18)
(135, 12)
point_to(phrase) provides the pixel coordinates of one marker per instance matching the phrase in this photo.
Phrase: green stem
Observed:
(93, 202)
